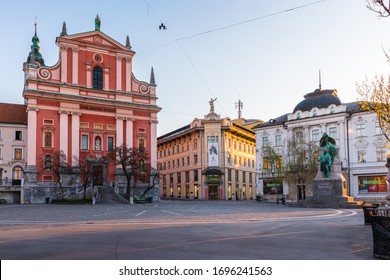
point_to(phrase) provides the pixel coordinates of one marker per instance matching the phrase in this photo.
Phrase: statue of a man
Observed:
(328, 144)
(212, 105)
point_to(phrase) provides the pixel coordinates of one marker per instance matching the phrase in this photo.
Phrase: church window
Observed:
(84, 142)
(110, 144)
(97, 77)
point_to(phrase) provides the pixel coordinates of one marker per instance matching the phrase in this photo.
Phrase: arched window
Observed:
(17, 175)
(48, 137)
(97, 77)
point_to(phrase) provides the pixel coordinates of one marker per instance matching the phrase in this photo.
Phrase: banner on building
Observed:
(213, 154)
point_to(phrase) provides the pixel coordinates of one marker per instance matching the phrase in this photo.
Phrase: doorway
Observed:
(98, 175)
(301, 192)
(213, 192)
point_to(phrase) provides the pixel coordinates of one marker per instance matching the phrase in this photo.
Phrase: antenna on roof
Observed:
(239, 107)
(319, 78)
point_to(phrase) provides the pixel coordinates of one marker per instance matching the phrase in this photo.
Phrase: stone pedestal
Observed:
(330, 192)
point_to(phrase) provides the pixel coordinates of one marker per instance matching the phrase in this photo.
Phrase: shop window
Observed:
(372, 184)
(97, 77)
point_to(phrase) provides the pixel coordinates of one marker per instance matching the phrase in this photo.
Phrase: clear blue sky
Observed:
(268, 63)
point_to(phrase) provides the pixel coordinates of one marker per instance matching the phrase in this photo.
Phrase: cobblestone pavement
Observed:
(182, 230)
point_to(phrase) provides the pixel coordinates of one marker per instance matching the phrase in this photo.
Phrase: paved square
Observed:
(183, 230)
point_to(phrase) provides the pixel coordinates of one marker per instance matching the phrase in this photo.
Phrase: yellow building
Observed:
(211, 158)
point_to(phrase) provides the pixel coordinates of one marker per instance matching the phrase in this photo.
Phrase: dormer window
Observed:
(97, 77)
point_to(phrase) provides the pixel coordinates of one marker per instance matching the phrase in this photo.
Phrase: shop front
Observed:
(370, 185)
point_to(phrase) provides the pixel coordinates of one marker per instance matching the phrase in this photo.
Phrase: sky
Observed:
(267, 54)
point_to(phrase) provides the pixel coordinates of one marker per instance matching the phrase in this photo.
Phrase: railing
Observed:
(380, 223)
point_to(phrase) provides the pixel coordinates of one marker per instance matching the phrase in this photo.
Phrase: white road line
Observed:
(156, 205)
(173, 213)
(139, 214)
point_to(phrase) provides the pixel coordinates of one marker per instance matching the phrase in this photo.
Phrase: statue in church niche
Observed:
(329, 151)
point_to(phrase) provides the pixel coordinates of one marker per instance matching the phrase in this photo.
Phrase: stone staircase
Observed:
(107, 195)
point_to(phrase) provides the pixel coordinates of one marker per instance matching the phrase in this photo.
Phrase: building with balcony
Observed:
(360, 141)
(209, 159)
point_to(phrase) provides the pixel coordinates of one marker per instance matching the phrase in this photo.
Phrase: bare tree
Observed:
(136, 167)
(301, 161)
(57, 165)
(375, 96)
(380, 7)
(85, 172)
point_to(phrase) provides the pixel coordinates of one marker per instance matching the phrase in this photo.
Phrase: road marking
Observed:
(156, 205)
(173, 213)
(139, 214)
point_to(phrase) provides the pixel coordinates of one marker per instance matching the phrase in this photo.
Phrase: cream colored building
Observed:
(13, 151)
(209, 159)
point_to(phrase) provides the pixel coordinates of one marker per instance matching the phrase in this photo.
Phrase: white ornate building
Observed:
(361, 144)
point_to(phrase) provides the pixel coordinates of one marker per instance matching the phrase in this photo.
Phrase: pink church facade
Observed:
(85, 105)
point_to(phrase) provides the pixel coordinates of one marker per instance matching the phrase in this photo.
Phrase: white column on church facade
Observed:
(119, 73)
(119, 131)
(32, 136)
(64, 132)
(76, 134)
(129, 132)
(106, 84)
(128, 74)
(89, 75)
(75, 66)
(153, 143)
(64, 64)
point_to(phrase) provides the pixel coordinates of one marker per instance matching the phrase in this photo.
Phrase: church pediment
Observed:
(95, 38)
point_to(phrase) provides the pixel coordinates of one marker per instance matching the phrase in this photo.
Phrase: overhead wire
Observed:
(178, 40)
(187, 55)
